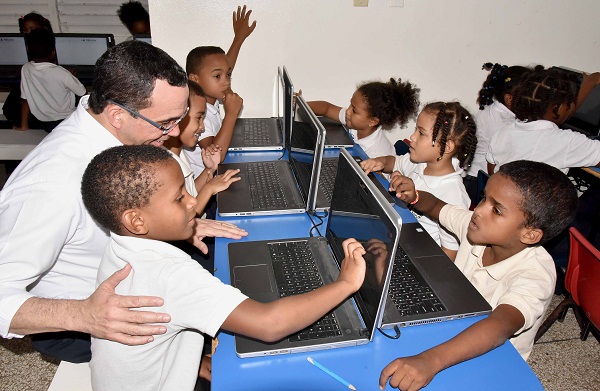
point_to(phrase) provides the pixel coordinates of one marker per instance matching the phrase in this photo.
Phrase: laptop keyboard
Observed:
(296, 272)
(327, 179)
(255, 132)
(266, 190)
(409, 291)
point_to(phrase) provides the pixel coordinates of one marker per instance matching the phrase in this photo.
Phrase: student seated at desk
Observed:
(47, 89)
(442, 144)
(374, 107)
(525, 204)
(138, 192)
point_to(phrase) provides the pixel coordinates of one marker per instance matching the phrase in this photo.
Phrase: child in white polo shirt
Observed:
(545, 100)
(525, 204)
(374, 107)
(138, 193)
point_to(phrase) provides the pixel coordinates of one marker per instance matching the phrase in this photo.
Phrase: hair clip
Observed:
(507, 79)
(445, 122)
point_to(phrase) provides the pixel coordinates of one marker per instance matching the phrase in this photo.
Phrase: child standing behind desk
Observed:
(525, 205)
(211, 68)
(374, 106)
(138, 192)
(443, 142)
(47, 90)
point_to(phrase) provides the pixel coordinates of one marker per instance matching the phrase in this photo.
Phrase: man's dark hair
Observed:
(121, 178)
(40, 45)
(127, 74)
(549, 199)
(131, 12)
(193, 62)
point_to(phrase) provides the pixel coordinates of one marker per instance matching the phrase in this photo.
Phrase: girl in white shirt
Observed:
(374, 106)
(495, 100)
(443, 142)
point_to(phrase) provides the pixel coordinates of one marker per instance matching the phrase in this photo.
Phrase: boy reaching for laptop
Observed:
(525, 204)
(138, 192)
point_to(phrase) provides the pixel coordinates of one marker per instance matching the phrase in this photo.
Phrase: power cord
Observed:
(396, 329)
(316, 226)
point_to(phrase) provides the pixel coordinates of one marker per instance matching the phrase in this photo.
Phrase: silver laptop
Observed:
(337, 134)
(280, 268)
(266, 134)
(275, 187)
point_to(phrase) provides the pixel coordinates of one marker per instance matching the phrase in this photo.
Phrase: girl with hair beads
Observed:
(544, 101)
(374, 106)
(495, 101)
(442, 144)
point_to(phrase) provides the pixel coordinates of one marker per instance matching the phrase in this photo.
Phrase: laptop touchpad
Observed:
(254, 281)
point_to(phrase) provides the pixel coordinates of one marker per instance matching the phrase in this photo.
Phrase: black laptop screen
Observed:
(355, 213)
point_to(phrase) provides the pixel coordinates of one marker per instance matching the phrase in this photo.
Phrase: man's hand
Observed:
(241, 27)
(109, 316)
(218, 229)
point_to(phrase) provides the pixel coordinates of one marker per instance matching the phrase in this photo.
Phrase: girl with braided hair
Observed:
(442, 145)
(495, 101)
(374, 107)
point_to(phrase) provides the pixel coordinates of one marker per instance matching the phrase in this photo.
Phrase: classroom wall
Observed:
(330, 46)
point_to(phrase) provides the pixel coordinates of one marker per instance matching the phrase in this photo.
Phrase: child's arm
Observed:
(213, 186)
(275, 320)
(422, 201)
(241, 31)
(381, 163)
(415, 372)
(24, 115)
(320, 107)
(232, 104)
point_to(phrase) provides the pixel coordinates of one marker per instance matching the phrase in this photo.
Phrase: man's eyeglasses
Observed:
(165, 127)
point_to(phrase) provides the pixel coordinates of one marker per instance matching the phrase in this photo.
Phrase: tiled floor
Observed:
(560, 360)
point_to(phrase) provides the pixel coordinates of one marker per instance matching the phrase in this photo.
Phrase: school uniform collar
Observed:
(536, 125)
(502, 108)
(499, 270)
(435, 181)
(212, 109)
(138, 245)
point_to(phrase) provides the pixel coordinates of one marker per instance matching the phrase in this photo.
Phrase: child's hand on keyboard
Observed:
(404, 187)
(353, 266)
(223, 181)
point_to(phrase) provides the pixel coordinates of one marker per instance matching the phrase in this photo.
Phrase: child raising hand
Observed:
(374, 106)
(443, 142)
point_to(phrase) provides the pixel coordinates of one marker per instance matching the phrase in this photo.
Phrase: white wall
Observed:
(329, 46)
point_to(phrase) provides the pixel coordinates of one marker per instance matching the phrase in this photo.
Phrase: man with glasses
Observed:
(50, 247)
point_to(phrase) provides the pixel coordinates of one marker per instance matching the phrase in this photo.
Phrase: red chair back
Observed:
(583, 276)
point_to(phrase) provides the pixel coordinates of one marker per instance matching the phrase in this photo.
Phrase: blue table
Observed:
(501, 369)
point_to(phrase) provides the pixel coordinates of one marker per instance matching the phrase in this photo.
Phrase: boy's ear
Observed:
(531, 236)
(193, 77)
(133, 221)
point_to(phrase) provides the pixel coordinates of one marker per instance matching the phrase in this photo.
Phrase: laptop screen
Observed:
(12, 47)
(81, 49)
(357, 213)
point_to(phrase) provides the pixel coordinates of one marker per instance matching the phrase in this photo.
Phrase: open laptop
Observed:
(14, 55)
(280, 268)
(81, 51)
(586, 119)
(275, 187)
(337, 135)
(266, 134)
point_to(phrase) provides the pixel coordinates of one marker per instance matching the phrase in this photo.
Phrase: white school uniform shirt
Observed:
(49, 244)
(543, 141)
(448, 188)
(197, 302)
(49, 90)
(188, 172)
(489, 121)
(525, 281)
(212, 125)
(376, 144)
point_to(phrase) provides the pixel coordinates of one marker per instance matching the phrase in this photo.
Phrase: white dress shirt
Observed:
(49, 245)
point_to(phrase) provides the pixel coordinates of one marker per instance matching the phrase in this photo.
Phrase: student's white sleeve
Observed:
(489, 157)
(580, 151)
(403, 165)
(456, 220)
(454, 193)
(73, 84)
(342, 116)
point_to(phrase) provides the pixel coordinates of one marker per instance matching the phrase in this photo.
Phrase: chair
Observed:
(582, 283)
(482, 178)
(402, 146)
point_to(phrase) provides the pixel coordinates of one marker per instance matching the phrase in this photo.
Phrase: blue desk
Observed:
(501, 369)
